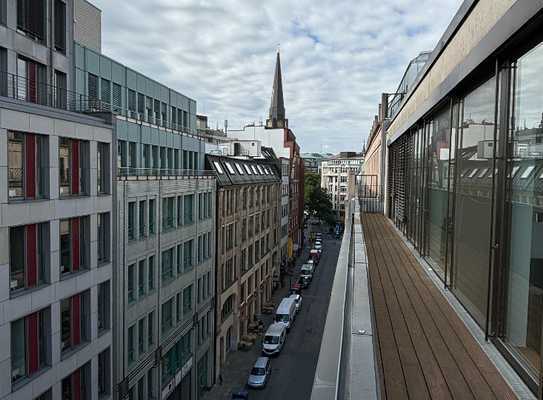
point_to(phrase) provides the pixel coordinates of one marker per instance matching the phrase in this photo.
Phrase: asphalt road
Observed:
(293, 370)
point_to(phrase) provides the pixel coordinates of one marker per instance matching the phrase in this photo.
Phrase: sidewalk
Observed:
(238, 364)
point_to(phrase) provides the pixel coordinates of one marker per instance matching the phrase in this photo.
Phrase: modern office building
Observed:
(338, 177)
(312, 161)
(164, 219)
(248, 198)
(56, 200)
(277, 135)
(464, 172)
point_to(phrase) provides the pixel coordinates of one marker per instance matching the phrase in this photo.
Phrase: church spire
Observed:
(276, 117)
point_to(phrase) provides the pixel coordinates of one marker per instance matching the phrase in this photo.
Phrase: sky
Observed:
(337, 57)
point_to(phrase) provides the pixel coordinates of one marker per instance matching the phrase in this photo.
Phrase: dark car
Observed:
(304, 281)
(241, 394)
(296, 288)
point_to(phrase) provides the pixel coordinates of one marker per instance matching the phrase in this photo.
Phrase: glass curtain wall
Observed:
(524, 212)
(473, 200)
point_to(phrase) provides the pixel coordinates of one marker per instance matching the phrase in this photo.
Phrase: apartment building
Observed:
(338, 177)
(56, 201)
(248, 204)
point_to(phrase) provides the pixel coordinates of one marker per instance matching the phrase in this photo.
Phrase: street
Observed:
(293, 370)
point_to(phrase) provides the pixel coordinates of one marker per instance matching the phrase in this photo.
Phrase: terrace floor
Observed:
(424, 350)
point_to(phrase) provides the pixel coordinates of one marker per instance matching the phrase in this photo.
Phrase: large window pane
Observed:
(438, 179)
(525, 214)
(473, 206)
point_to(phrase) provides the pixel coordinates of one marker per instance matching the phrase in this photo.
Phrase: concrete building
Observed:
(338, 178)
(164, 258)
(56, 202)
(276, 135)
(248, 198)
(312, 161)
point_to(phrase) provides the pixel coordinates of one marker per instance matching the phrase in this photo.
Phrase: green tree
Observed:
(317, 201)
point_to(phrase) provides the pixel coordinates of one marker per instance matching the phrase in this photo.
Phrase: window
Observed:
(141, 106)
(188, 202)
(60, 94)
(174, 117)
(229, 168)
(167, 318)
(29, 256)
(141, 336)
(74, 321)
(142, 211)
(526, 174)
(187, 255)
(28, 156)
(102, 165)
(238, 167)
(117, 98)
(31, 18)
(103, 233)
(104, 368)
(152, 219)
(92, 86)
(131, 283)
(30, 344)
(73, 164)
(131, 220)
(74, 244)
(151, 273)
(105, 91)
(141, 278)
(150, 328)
(187, 300)
(218, 167)
(168, 220)
(131, 345)
(157, 112)
(167, 265)
(141, 391)
(150, 384)
(103, 306)
(131, 100)
(77, 385)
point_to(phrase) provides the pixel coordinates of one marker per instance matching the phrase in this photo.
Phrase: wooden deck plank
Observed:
(439, 357)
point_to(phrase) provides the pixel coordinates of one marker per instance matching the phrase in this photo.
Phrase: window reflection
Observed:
(473, 201)
(525, 213)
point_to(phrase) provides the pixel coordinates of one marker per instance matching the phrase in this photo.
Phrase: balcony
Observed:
(393, 332)
(31, 91)
(139, 174)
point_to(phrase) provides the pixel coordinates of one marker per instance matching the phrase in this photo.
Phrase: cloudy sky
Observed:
(337, 56)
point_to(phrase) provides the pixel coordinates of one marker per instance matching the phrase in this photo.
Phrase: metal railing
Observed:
(33, 91)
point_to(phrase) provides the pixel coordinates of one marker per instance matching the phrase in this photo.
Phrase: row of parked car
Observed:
(276, 334)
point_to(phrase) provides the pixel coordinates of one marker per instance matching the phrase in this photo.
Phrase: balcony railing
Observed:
(161, 173)
(32, 91)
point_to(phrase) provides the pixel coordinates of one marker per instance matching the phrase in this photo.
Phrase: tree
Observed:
(317, 200)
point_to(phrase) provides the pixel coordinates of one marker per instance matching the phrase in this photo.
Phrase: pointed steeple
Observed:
(276, 118)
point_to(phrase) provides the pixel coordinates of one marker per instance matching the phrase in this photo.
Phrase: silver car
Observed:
(298, 300)
(260, 373)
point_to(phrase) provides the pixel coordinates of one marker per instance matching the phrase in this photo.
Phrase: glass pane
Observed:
(18, 360)
(525, 280)
(438, 180)
(473, 206)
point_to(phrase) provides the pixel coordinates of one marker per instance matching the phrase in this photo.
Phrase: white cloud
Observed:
(337, 57)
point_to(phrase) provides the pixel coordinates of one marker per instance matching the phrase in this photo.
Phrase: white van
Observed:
(286, 312)
(274, 339)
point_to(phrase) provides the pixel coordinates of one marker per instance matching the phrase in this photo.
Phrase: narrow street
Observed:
(293, 370)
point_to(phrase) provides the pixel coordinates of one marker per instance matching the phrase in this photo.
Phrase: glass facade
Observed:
(465, 186)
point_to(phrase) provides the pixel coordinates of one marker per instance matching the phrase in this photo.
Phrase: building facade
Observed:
(464, 172)
(248, 246)
(56, 199)
(338, 178)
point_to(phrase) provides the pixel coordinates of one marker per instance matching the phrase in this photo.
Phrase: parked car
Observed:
(286, 312)
(296, 288)
(318, 247)
(307, 270)
(274, 339)
(241, 394)
(260, 373)
(298, 299)
(304, 281)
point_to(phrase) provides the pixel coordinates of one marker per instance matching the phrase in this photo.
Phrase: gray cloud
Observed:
(337, 57)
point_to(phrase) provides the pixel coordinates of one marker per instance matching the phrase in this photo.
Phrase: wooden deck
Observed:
(424, 349)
